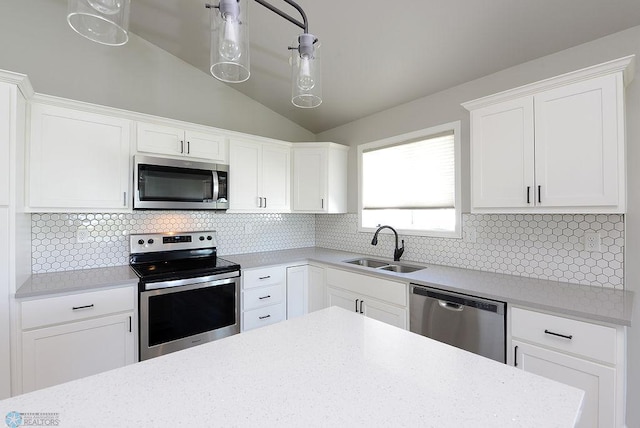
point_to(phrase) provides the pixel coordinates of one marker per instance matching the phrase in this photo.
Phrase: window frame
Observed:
(408, 138)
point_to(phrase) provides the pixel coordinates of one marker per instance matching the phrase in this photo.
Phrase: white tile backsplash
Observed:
(539, 246)
(55, 248)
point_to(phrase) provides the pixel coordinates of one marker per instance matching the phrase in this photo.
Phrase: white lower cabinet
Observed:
(305, 290)
(70, 337)
(377, 298)
(581, 354)
(263, 300)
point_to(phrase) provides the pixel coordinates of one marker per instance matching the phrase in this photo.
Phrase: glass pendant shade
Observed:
(306, 76)
(102, 21)
(230, 41)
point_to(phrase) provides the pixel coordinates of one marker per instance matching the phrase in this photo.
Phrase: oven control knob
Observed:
(150, 241)
(209, 238)
(140, 241)
(202, 238)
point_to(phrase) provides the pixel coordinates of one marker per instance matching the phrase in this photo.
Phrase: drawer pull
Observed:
(265, 277)
(76, 308)
(265, 317)
(559, 335)
(361, 302)
(264, 297)
(357, 305)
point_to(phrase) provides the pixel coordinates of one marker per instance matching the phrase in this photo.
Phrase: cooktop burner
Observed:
(166, 256)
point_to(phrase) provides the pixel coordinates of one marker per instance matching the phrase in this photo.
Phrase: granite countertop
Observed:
(592, 303)
(328, 368)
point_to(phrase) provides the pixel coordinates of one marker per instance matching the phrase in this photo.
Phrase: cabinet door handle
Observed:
(361, 302)
(77, 308)
(264, 317)
(357, 305)
(265, 277)
(264, 297)
(539, 192)
(564, 336)
(265, 203)
(528, 194)
(259, 202)
(181, 146)
(129, 324)
(515, 356)
(188, 147)
(124, 198)
(322, 203)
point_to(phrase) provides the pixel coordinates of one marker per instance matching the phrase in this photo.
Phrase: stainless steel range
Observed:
(188, 295)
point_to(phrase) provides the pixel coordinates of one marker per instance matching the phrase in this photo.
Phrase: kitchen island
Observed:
(329, 368)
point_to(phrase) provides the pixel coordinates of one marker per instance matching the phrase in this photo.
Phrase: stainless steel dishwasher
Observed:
(471, 323)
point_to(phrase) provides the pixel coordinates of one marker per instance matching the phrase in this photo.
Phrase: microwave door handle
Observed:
(216, 186)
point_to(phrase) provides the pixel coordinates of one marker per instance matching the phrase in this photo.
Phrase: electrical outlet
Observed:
(470, 235)
(82, 235)
(592, 242)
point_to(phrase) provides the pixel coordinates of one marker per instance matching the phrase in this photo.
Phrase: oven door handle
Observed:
(148, 286)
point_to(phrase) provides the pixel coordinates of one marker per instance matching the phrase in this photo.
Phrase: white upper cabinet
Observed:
(320, 178)
(78, 161)
(259, 176)
(175, 141)
(6, 115)
(556, 146)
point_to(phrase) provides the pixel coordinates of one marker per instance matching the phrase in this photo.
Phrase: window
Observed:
(412, 182)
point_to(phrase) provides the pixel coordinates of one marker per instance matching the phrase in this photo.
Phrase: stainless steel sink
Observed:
(372, 263)
(384, 265)
(401, 268)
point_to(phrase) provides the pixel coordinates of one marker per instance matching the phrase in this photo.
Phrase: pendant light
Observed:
(102, 21)
(230, 50)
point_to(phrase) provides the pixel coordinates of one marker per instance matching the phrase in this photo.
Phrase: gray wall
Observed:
(445, 107)
(139, 76)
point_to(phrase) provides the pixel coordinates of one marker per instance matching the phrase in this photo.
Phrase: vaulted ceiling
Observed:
(378, 54)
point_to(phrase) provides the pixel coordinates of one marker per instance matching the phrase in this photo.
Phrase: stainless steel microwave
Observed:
(179, 184)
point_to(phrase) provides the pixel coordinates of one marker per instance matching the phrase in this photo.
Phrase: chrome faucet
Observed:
(397, 252)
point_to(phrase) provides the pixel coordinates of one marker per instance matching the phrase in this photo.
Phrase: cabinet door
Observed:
(70, 351)
(5, 137)
(596, 380)
(5, 332)
(310, 179)
(297, 291)
(502, 155)
(245, 168)
(78, 160)
(343, 299)
(203, 145)
(316, 293)
(578, 143)
(384, 312)
(276, 178)
(368, 306)
(160, 139)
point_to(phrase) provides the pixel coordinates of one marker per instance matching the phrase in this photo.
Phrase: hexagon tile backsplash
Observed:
(540, 246)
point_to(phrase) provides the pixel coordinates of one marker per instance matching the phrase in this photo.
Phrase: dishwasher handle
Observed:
(455, 307)
(453, 300)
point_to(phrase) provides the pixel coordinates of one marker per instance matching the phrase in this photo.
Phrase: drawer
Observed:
(582, 338)
(263, 316)
(263, 296)
(74, 307)
(264, 276)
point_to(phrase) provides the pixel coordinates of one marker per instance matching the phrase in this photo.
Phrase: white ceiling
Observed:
(375, 57)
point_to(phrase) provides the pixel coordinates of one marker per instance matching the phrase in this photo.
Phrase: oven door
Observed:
(180, 314)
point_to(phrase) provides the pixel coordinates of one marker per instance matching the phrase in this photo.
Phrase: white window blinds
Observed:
(414, 175)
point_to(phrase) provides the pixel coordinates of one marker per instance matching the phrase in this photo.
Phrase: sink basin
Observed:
(401, 268)
(372, 263)
(383, 265)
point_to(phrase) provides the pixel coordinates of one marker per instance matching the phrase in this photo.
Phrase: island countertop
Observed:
(328, 368)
